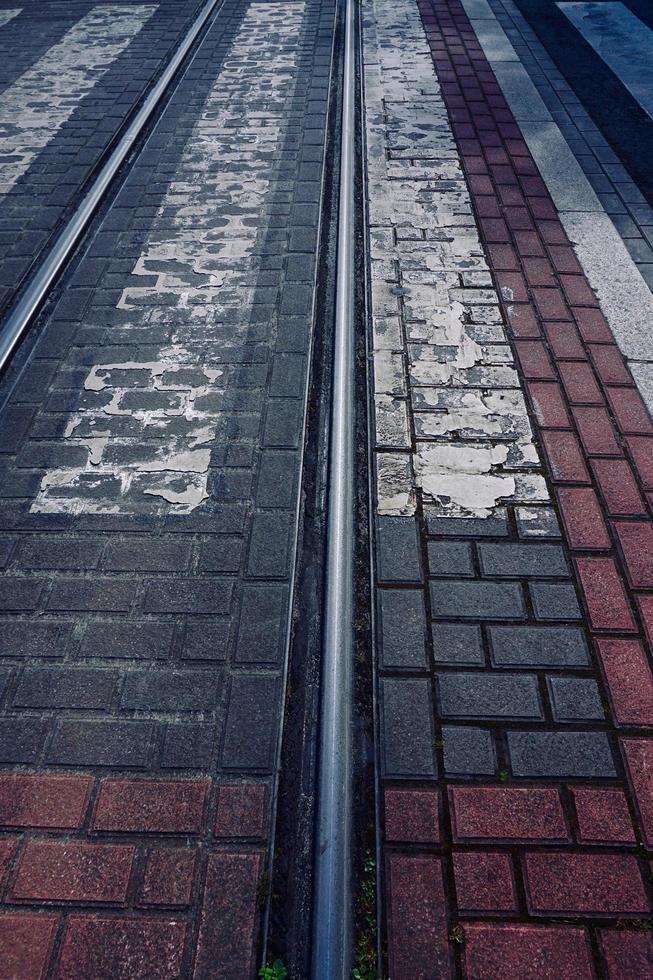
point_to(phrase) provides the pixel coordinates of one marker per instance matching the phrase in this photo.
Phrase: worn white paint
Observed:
(38, 103)
(450, 416)
(7, 15)
(148, 426)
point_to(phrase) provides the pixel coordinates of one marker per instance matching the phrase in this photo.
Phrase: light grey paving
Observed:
(7, 15)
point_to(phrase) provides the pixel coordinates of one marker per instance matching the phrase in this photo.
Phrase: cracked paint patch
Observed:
(451, 422)
(144, 429)
(38, 103)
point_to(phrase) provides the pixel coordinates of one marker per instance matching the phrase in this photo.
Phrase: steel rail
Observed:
(332, 907)
(29, 302)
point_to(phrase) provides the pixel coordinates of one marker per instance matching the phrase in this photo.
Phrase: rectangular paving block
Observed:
(458, 599)
(468, 751)
(398, 552)
(584, 884)
(531, 560)
(457, 643)
(507, 813)
(403, 629)
(538, 646)
(407, 739)
(554, 601)
(560, 754)
(488, 695)
(418, 943)
(575, 699)
(251, 726)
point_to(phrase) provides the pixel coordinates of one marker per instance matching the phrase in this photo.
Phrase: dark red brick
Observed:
(641, 451)
(596, 432)
(512, 196)
(487, 206)
(534, 360)
(26, 944)
(551, 304)
(226, 945)
(564, 340)
(411, 815)
(549, 405)
(627, 954)
(7, 850)
(584, 884)
(518, 219)
(636, 539)
(578, 291)
(512, 287)
(583, 519)
(529, 243)
(480, 184)
(484, 881)
(242, 810)
(593, 326)
(579, 383)
(610, 365)
(630, 411)
(629, 681)
(522, 321)
(645, 603)
(525, 952)
(539, 272)
(605, 595)
(507, 813)
(56, 802)
(603, 816)
(618, 487)
(564, 259)
(503, 257)
(60, 871)
(168, 878)
(638, 753)
(495, 230)
(565, 457)
(151, 806)
(418, 945)
(96, 947)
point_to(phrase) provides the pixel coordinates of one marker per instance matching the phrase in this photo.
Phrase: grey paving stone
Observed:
(457, 644)
(532, 560)
(283, 422)
(171, 691)
(450, 558)
(270, 544)
(477, 600)
(138, 640)
(20, 594)
(21, 638)
(277, 479)
(560, 754)
(538, 646)
(209, 596)
(398, 553)
(575, 699)
(252, 721)
(21, 739)
(96, 594)
(466, 527)
(261, 631)
(101, 743)
(403, 629)
(65, 687)
(407, 738)
(468, 751)
(75, 554)
(554, 600)
(147, 554)
(537, 522)
(223, 553)
(488, 695)
(188, 746)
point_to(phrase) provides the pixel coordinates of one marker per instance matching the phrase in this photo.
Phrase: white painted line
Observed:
(7, 15)
(623, 42)
(37, 104)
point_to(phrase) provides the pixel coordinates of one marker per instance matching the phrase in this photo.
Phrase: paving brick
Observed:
(75, 554)
(221, 554)
(71, 871)
(579, 383)
(488, 695)
(8, 846)
(65, 687)
(549, 755)
(418, 945)
(95, 946)
(457, 644)
(97, 594)
(537, 522)
(202, 596)
(101, 743)
(226, 944)
(609, 364)
(188, 746)
(636, 540)
(252, 721)
(618, 487)
(575, 699)
(468, 751)
(551, 304)
(593, 326)
(549, 405)
(629, 681)
(507, 813)
(626, 953)
(534, 360)
(20, 594)
(526, 952)
(52, 802)
(403, 629)
(605, 596)
(645, 604)
(533, 646)
(522, 321)
(412, 815)
(630, 411)
(564, 340)
(151, 806)
(540, 560)
(26, 943)
(261, 631)
(596, 431)
(450, 558)
(242, 810)
(638, 753)
(146, 554)
(583, 519)
(565, 457)
(171, 691)
(641, 451)
(168, 876)
(584, 884)
(109, 640)
(407, 738)
(493, 527)
(21, 739)
(602, 815)
(270, 545)
(554, 601)
(484, 881)
(398, 550)
(477, 600)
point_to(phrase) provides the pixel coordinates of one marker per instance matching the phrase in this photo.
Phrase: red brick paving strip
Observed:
(597, 441)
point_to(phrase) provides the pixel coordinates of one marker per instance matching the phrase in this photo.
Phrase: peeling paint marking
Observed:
(38, 103)
(144, 429)
(451, 421)
(7, 15)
